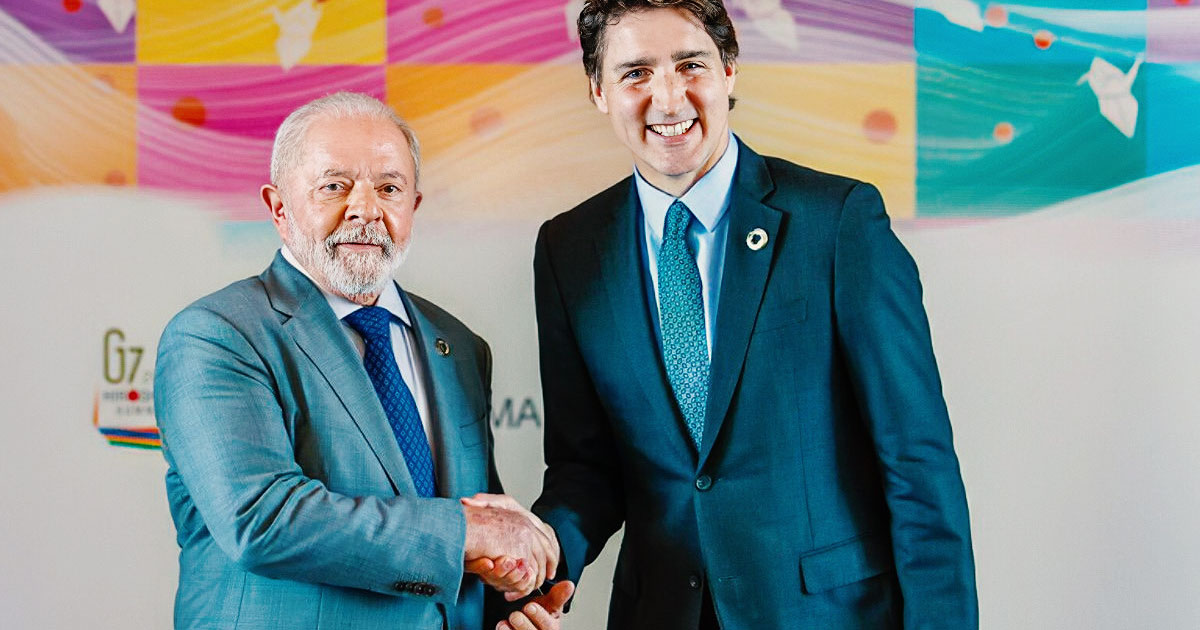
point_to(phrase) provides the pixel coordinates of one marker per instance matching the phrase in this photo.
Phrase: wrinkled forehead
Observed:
(355, 146)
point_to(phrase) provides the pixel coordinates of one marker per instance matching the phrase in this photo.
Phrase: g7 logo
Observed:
(118, 357)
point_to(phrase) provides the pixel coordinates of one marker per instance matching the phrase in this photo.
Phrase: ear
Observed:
(417, 201)
(598, 99)
(274, 200)
(730, 77)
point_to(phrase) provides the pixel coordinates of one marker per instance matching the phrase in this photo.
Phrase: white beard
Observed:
(349, 273)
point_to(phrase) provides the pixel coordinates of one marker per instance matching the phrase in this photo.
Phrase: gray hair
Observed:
(289, 139)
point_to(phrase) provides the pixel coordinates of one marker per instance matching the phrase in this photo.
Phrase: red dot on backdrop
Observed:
(1043, 38)
(879, 126)
(1183, 3)
(190, 110)
(996, 16)
(72, 6)
(115, 178)
(486, 119)
(134, 395)
(1003, 132)
(433, 18)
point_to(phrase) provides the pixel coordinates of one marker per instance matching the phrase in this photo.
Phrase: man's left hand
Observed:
(543, 612)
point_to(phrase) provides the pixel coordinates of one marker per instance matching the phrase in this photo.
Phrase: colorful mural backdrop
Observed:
(954, 108)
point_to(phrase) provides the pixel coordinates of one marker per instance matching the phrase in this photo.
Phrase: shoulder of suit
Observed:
(444, 320)
(792, 178)
(594, 212)
(246, 294)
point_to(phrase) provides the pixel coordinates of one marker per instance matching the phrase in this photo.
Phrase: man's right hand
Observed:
(512, 550)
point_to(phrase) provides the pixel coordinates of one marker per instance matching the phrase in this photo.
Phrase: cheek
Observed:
(399, 224)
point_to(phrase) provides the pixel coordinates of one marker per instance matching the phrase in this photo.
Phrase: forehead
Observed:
(651, 33)
(355, 143)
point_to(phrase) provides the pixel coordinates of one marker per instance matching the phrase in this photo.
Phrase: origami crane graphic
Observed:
(772, 20)
(961, 12)
(1113, 90)
(118, 12)
(296, 27)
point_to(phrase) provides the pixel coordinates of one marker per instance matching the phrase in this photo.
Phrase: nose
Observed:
(362, 205)
(669, 92)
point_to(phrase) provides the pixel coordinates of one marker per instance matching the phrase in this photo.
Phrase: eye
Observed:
(390, 189)
(333, 187)
(634, 75)
(693, 65)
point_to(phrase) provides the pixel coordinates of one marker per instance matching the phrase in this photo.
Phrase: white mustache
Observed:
(361, 234)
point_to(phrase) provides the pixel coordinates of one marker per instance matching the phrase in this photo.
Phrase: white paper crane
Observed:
(964, 13)
(1114, 91)
(296, 27)
(118, 12)
(773, 20)
(571, 12)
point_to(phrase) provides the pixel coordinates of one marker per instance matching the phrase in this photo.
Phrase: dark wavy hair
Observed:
(598, 15)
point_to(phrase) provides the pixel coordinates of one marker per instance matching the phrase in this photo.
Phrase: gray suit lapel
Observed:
(320, 336)
(457, 473)
(743, 283)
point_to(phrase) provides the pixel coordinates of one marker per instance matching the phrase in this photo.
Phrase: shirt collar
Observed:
(388, 299)
(708, 198)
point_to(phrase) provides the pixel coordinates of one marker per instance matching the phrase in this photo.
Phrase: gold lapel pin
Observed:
(443, 348)
(756, 239)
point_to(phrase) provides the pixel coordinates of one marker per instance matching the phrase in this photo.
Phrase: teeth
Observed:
(672, 130)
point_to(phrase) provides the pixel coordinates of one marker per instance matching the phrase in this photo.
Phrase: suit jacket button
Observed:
(703, 483)
(694, 581)
(400, 586)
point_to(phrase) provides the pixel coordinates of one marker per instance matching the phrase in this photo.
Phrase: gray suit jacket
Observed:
(292, 501)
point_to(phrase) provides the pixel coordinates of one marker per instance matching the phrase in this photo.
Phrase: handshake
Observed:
(514, 552)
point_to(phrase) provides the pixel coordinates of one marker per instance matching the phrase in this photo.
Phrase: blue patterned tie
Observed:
(374, 324)
(681, 316)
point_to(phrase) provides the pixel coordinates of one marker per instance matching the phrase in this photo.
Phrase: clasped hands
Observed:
(514, 551)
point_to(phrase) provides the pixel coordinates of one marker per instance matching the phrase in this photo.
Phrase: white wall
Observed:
(1067, 340)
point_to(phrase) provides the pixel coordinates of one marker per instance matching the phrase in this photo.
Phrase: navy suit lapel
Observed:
(457, 474)
(320, 336)
(743, 283)
(617, 246)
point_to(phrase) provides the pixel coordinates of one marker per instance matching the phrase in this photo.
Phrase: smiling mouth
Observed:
(670, 131)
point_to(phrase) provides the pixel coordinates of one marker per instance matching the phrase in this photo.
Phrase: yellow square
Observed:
(68, 125)
(430, 94)
(263, 32)
(857, 120)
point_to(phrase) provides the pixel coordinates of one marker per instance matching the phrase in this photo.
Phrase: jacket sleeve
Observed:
(582, 489)
(233, 469)
(884, 335)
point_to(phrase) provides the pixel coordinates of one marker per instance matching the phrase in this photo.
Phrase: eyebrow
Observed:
(676, 57)
(333, 172)
(689, 54)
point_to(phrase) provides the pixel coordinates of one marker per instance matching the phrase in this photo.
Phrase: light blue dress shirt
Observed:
(708, 199)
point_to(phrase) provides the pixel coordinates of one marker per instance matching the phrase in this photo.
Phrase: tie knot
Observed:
(678, 218)
(372, 322)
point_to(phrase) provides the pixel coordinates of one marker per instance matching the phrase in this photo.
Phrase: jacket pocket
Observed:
(790, 311)
(845, 563)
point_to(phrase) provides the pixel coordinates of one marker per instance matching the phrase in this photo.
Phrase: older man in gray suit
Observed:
(321, 425)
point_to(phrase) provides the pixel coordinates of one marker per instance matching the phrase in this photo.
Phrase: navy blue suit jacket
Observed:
(826, 492)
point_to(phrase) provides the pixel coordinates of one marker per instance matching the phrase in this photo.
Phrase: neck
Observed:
(361, 299)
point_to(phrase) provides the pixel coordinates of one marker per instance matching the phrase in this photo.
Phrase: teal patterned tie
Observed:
(681, 316)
